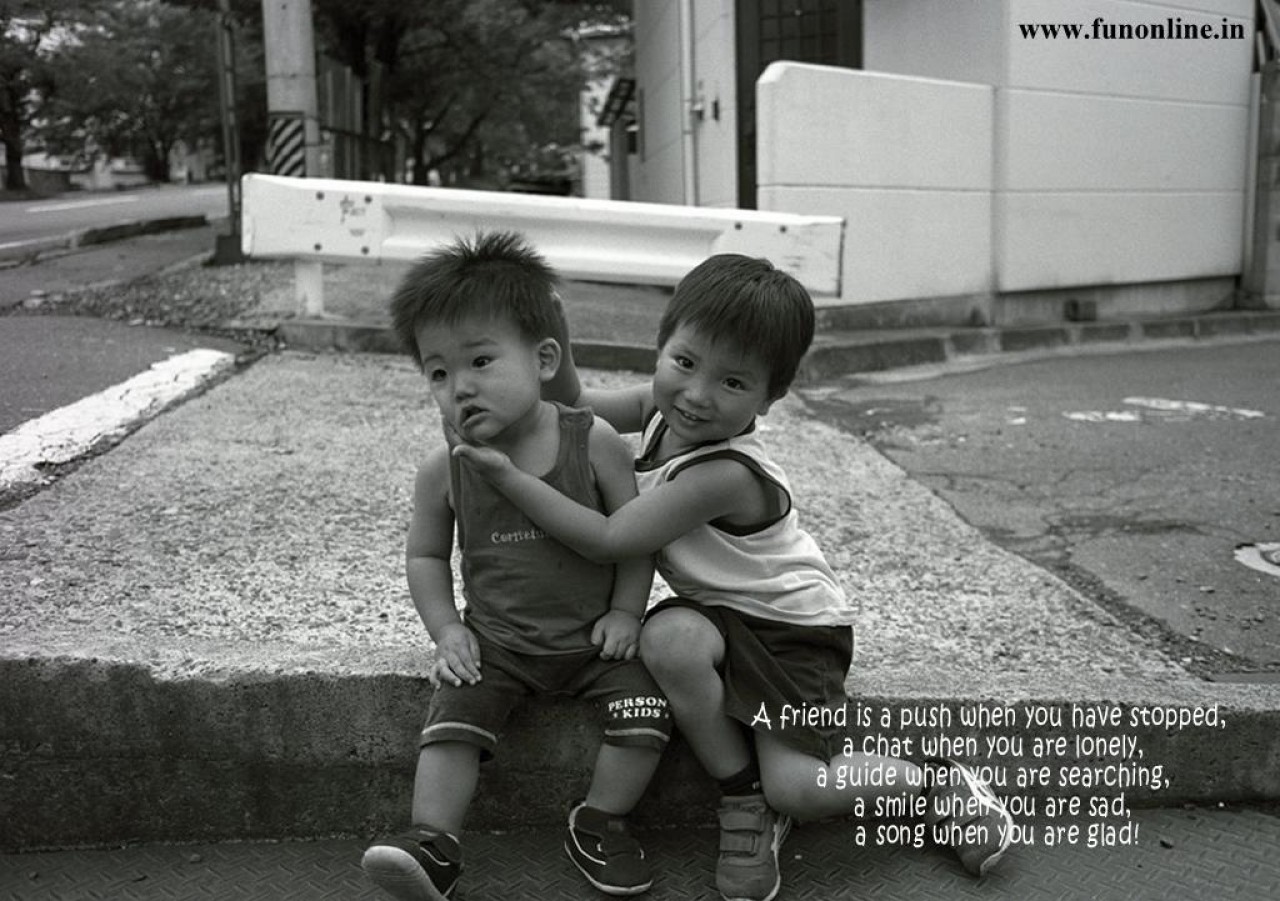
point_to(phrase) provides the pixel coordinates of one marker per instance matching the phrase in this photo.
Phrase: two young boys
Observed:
(759, 620)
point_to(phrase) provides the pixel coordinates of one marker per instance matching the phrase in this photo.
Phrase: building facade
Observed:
(995, 161)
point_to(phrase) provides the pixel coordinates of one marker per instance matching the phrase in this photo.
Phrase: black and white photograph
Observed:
(837, 440)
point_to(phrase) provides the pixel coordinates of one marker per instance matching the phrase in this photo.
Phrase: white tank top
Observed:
(774, 571)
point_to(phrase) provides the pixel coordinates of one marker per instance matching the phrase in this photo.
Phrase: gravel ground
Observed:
(248, 301)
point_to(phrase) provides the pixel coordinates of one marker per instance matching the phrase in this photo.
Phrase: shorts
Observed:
(774, 673)
(633, 708)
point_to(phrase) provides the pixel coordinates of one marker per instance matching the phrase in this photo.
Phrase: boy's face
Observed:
(708, 390)
(486, 377)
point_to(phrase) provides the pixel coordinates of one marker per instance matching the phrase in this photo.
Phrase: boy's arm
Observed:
(706, 492)
(618, 631)
(428, 549)
(623, 408)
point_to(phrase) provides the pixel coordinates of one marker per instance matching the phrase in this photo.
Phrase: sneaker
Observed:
(419, 865)
(751, 833)
(964, 813)
(602, 847)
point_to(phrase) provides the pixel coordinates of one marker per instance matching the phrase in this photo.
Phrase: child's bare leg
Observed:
(424, 862)
(622, 774)
(599, 841)
(805, 788)
(682, 650)
(444, 784)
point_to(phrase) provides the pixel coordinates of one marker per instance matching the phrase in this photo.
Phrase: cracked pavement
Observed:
(1134, 477)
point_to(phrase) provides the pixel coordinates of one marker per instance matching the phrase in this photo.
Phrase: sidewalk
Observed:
(1184, 855)
(207, 638)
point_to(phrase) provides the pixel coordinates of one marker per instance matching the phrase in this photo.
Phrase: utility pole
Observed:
(227, 248)
(293, 130)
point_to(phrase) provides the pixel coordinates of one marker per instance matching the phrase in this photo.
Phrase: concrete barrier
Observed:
(313, 220)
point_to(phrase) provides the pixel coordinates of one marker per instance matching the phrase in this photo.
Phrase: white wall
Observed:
(967, 158)
(1122, 160)
(660, 176)
(716, 140)
(660, 167)
(906, 161)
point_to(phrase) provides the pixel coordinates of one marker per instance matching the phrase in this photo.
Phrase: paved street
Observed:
(1180, 855)
(1135, 476)
(25, 222)
(48, 362)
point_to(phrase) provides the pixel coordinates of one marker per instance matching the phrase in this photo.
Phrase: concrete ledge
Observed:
(123, 230)
(32, 251)
(836, 353)
(345, 335)
(103, 752)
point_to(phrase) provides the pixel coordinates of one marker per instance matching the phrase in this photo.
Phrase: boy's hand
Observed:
(490, 463)
(618, 634)
(457, 657)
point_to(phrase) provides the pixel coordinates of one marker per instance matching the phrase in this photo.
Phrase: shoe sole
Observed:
(621, 890)
(396, 872)
(1006, 838)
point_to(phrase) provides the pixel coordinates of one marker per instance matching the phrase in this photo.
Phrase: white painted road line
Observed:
(1156, 409)
(71, 432)
(78, 204)
(1265, 558)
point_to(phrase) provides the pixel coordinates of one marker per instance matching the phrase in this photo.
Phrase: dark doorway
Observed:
(827, 32)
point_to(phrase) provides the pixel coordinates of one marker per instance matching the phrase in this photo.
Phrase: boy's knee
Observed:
(678, 640)
(789, 798)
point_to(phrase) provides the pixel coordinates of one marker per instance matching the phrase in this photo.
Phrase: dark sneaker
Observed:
(601, 846)
(418, 865)
(965, 813)
(751, 832)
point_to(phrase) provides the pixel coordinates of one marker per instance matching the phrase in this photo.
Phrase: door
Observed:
(827, 32)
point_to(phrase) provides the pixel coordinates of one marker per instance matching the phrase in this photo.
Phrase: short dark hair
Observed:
(495, 275)
(751, 302)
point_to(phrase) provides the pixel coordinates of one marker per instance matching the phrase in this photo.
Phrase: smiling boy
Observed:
(759, 623)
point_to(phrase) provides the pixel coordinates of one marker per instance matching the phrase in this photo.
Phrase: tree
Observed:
(138, 78)
(30, 31)
(474, 87)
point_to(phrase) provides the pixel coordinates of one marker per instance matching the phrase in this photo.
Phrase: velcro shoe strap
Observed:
(738, 820)
(739, 842)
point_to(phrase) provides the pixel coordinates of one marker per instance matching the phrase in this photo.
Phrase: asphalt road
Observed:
(28, 221)
(49, 361)
(1135, 477)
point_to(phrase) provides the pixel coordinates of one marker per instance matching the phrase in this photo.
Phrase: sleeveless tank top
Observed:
(524, 590)
(775, 570)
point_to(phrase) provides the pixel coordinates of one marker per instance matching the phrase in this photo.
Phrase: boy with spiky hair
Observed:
(480, 318)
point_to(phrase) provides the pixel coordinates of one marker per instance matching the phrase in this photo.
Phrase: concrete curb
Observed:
(46, 247)
(256, 754)
(356, 337)
(836, 354)
(73, 432)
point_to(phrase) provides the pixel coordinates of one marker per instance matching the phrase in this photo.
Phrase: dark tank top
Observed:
(524, 590)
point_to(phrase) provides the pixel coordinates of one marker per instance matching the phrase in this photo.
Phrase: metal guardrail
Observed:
(312, 221)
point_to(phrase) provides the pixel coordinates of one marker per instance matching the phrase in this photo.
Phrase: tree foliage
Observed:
(479, 91)
(140, 76)
(30, 32)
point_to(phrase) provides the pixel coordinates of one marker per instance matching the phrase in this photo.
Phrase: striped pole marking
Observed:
(286, 145)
